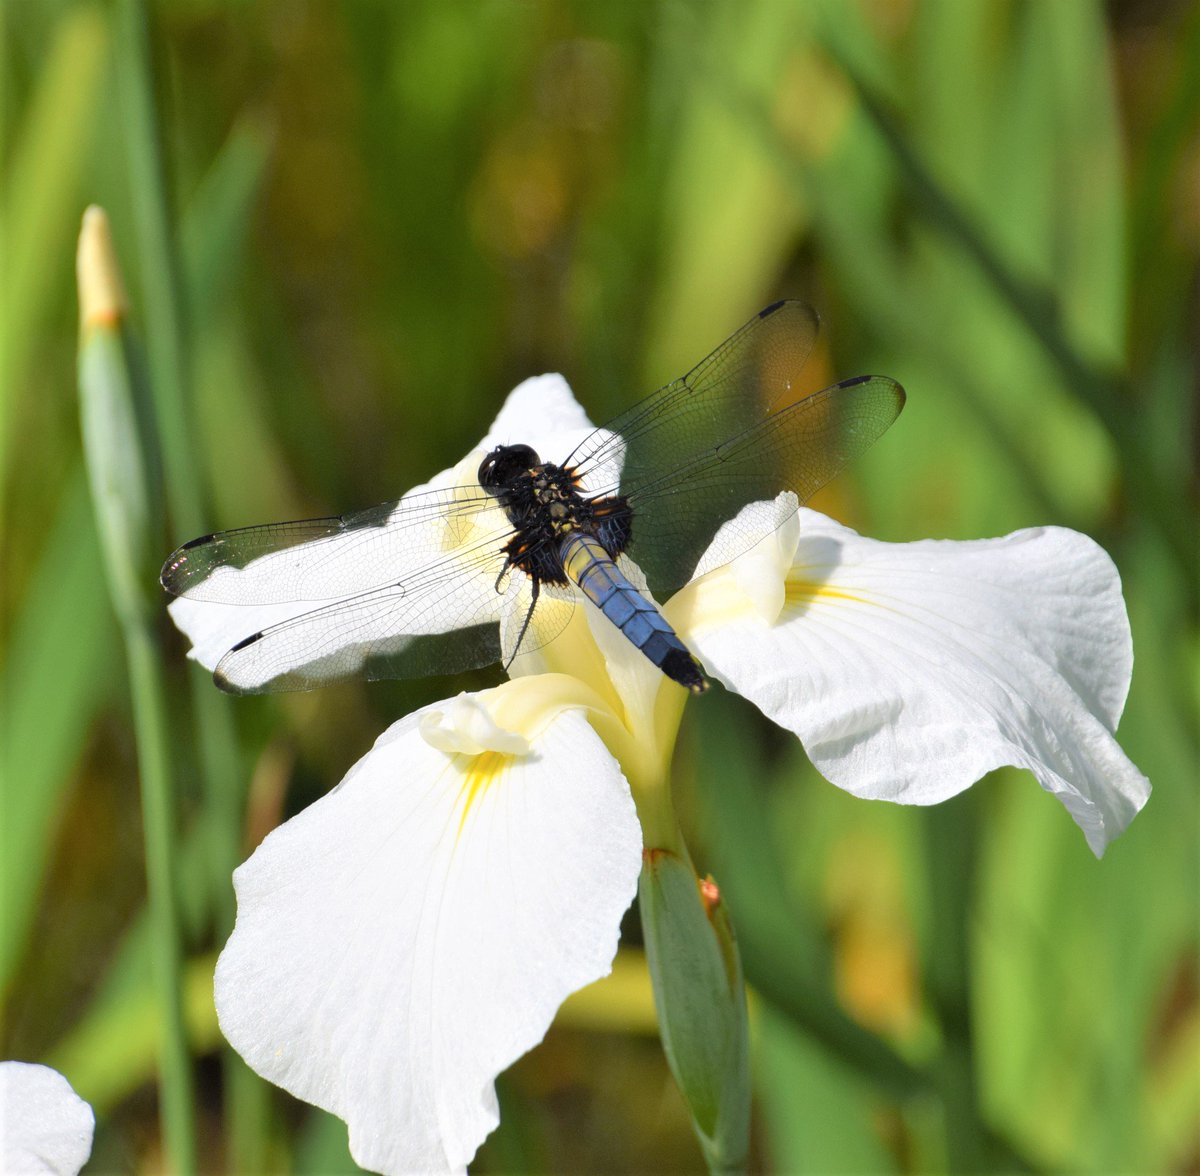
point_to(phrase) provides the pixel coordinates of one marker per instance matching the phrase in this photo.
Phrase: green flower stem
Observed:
(167, 348)
(700, 995)
(158, 818)
(117, 462)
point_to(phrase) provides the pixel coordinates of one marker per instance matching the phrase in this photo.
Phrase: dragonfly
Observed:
(460, 576)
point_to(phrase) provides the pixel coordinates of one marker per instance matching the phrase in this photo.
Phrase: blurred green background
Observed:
(383, 217)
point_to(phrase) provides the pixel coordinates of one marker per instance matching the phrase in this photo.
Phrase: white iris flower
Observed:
(410, 935)
(45, 1127)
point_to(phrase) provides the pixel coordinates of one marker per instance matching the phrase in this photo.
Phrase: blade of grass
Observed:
(54, 678)
(41, 193)
(951, 870)
(218, 218)
(1107, 394)
(163, 313)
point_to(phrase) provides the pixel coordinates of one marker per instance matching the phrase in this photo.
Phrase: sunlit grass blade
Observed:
(42, 173)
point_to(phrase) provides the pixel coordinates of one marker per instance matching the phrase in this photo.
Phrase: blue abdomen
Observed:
(606, 586)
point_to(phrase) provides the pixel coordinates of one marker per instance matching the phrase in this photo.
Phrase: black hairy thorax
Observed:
(545, 504)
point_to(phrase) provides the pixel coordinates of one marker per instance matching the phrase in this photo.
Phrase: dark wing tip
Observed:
(221, 673)
(169, 577)
(797, 307)
(167, 574)
(244, 642)
(896, 387)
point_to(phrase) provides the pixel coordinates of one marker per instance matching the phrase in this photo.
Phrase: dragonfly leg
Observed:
(537, 587)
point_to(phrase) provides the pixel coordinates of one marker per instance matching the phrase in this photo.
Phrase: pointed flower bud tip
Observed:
(102, 299)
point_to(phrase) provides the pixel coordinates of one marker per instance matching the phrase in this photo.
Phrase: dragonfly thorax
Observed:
(545, 504)
(541, 500)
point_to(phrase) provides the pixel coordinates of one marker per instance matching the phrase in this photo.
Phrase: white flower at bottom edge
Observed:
(410, 935)
(45, 1127)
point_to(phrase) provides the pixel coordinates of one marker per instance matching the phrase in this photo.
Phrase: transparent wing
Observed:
(734, 430)
(753, 373)
(325, 559)
(678, 513)
(440, 622)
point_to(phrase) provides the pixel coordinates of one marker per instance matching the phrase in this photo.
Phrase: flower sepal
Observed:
(700, 995)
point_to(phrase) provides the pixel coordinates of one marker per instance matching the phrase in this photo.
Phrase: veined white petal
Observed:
(910, 670)
(542, 412)
(409, 935)
(45, 1127)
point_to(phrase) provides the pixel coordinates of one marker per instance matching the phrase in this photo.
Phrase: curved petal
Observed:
(536, 412)
(45, 1127)
(409, 935)
(910, 670)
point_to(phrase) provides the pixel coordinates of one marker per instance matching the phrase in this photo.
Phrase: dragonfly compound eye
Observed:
(504, 463)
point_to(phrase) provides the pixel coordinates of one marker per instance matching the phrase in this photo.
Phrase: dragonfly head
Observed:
(503, 464)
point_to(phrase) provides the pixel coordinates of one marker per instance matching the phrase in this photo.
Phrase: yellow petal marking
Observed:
(800, 592)
(477, 779)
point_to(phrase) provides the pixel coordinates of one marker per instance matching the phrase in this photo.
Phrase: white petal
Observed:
(535, 412)
(412, 933)
(910, 670)
(45, 1127)
(311, 581)
(214, 629)
(543, 413)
